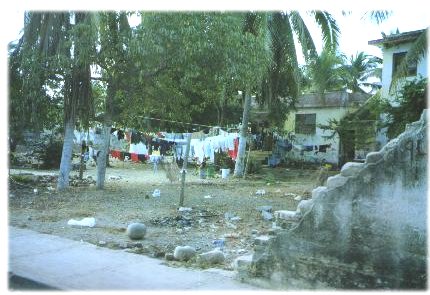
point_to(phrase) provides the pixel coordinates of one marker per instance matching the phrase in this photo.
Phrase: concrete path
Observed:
(71, 265)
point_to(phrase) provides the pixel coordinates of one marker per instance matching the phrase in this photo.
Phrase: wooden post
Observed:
(184, 168)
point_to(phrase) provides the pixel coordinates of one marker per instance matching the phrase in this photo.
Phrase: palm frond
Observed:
(303, 35)
(377, 16)
(329, 28)
(414, 55)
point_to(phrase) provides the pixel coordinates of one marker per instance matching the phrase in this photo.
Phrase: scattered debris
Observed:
(265, 208)
(287, 215)
(219, 243)
(231, 225)
(88, 221)
(262, 240)
(184, 253)
(267, 215)
(113, 177)
(136, 231)
(292, 195)
(260, 192)
(185, 209)
(102, 243)
(234, 219)
(156, 193)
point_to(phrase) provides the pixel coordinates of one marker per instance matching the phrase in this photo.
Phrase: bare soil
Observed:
(127, 198)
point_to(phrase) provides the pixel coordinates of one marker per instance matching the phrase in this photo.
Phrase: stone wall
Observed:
(367, 229)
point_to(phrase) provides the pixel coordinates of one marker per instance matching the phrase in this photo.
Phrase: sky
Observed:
(356, 31)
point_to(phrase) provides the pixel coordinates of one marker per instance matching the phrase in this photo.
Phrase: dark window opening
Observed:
(398, 59)
(305, 123)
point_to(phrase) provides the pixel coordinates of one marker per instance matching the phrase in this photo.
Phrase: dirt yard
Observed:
(128, 198)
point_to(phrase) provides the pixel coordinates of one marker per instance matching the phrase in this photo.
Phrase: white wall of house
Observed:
(322, 117)
(387, 69)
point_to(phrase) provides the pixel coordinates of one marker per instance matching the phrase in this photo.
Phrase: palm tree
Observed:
(280, 86)
(325, 72)
(358, 69)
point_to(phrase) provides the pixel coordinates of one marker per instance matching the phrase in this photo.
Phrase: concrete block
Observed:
(374, 157)
(318, 192)
(304, 206)
(351, 169)
(335, 181)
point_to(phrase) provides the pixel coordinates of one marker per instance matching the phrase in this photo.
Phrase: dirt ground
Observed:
(127, 198)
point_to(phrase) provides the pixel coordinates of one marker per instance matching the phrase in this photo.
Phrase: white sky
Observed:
(355, 31)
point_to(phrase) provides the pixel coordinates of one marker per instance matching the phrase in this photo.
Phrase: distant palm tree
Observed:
(358, 69)
(325, 71)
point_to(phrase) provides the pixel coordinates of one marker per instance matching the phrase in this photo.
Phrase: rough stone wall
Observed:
(367, 229)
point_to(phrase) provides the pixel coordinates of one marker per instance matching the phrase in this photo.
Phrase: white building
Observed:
(311, 143)
(394, 49)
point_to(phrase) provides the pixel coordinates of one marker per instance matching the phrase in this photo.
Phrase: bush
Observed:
(254, 166)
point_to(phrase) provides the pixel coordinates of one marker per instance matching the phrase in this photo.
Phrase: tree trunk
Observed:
(66, 155)
(240, 160)
(102, 157)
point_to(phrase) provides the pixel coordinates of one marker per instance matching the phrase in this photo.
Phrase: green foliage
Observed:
(325, 71)
(253, 166)
(357, 69)
(407, 107)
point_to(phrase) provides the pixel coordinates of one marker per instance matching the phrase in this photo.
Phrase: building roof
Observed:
(397, 38)
(331, 99)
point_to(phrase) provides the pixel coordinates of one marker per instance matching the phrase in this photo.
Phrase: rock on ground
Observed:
(136, 231)
(212, 257)
(184, 253)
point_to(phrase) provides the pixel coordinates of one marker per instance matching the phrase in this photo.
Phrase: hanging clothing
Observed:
(134, 157)
(233, 153)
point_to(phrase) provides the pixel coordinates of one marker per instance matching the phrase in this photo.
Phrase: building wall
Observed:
(388, 66)
(367, 229)
(323, 115)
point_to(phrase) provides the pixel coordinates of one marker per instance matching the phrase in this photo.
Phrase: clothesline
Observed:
(185, 123)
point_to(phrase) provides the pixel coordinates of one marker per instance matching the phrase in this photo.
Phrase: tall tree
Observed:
(58, 46)
(280, 85)
(117, 72)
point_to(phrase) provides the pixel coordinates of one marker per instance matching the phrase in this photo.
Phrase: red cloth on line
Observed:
(134, 157)
(233, 153)
(116, 154)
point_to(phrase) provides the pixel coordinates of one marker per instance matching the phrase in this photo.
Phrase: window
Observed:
(305, 123)
(398, 59)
